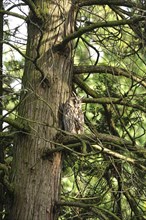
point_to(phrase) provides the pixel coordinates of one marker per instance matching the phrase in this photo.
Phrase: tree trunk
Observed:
(46, 85)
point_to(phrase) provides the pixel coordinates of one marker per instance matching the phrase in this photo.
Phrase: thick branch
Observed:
(13, 14)
(78, 80)
(98, 211)
(111, 100)
(104, 138)
(17, 125)
(119, 156)
(33, 8)
(109, 70)
(91, 27)
(103, 100)
(125, 3)
(71, 142)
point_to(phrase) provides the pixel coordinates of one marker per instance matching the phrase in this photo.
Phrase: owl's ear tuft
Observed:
(73, 117)
(73, 94)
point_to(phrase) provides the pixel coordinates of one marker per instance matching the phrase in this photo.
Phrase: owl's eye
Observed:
(73, 117)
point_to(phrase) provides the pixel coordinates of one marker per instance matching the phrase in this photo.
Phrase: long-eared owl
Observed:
(73, 117)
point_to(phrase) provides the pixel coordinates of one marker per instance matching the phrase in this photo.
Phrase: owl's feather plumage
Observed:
(73, 117)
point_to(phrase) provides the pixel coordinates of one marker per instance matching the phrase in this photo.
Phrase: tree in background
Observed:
(96, 50)
(1, 93)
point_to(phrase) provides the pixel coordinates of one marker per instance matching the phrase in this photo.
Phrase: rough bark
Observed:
(47, 82)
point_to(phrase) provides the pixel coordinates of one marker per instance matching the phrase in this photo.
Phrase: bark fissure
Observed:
(37, 187)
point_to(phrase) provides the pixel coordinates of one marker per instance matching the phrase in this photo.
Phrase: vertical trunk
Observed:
(1, 93)
(47, 84)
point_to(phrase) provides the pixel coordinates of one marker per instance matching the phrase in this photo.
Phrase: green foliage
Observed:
(109, 180)
(101, 180)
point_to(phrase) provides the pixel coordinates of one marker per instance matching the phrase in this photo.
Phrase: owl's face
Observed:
(75, 102)
(73, 117)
